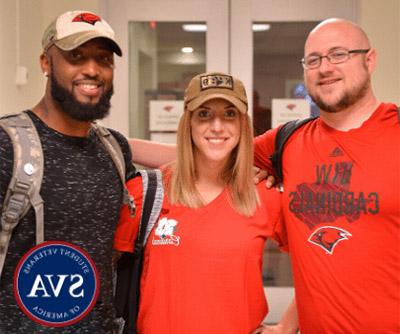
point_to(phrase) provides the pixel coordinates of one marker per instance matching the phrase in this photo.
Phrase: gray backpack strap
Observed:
(23, 190)
(153, 195)
(114, 150)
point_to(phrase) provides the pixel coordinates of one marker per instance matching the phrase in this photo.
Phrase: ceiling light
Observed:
(187, 49)
(194, 27)
(203, 27)
(261, 27)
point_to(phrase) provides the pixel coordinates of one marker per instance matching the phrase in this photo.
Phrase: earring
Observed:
(45, 74)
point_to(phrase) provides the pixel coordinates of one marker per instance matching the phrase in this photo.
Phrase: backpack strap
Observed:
(23, 190)
(114, 150)
(153, 195)
(283, 134)
(129, 267)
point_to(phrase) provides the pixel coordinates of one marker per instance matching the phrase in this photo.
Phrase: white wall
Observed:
(381, 21)
(18, 49)
(20, 44)
(7, 56)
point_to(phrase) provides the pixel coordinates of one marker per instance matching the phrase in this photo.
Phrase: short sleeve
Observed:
(272, 204)
(264, 146)
(127, 228)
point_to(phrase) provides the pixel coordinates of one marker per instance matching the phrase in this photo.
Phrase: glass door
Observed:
(165, 44)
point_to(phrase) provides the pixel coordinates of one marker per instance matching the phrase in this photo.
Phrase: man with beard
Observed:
(341, 192)
(81, 187)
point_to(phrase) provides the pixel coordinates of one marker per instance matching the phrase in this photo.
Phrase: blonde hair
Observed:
(237, 174)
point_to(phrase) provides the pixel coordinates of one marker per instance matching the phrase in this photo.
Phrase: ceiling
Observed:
(283, 38)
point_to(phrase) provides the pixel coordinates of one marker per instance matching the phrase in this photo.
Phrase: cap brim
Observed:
(197, 102)
(72, 42)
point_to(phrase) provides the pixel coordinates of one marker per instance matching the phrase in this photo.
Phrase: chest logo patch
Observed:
(327, 237)
(164, 233)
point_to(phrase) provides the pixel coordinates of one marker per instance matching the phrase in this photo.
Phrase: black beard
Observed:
(79, 111)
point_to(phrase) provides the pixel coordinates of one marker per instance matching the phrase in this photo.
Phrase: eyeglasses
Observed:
(334, 57)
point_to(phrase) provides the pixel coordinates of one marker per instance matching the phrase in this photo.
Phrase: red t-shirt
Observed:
(341, 208)
(202, 267)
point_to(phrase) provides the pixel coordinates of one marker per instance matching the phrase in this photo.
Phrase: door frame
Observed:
(213, 13)
(245, 12)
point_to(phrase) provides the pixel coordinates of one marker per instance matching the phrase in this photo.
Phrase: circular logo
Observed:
(56, 284)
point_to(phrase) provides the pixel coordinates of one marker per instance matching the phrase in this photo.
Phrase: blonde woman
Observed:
(203, 260)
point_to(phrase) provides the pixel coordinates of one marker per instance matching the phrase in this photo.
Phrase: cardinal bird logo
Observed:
(327, 237)
(291, 106)
(87, 17)
(168, 108)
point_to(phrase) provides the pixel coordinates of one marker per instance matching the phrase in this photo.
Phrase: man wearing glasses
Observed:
(341, 191)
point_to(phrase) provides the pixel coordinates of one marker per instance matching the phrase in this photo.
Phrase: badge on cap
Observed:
(216, 81)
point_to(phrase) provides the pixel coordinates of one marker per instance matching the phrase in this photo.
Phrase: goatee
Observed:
(348, 98)
(346, 101)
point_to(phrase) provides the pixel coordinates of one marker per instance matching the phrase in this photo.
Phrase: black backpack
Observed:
(129, 266)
